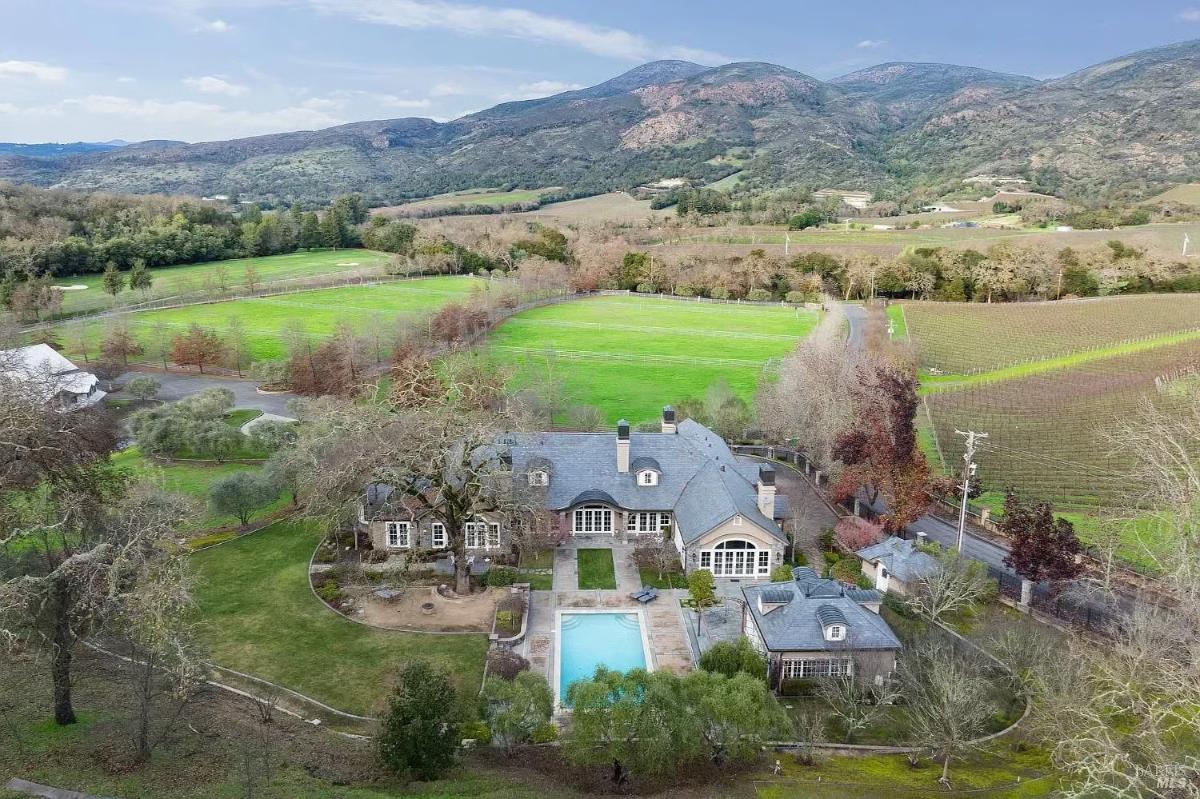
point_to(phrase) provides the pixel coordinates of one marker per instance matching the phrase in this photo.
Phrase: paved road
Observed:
(856, 319)
(976, 542)
(177, 386)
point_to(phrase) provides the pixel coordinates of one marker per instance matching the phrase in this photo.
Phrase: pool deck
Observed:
(665, 626)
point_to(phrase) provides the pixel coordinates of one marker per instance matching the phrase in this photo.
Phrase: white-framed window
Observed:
(437, 535)
(398, 535)
(835, 632)
(808, 669)
(539, 478)
(482, 535)
(593, 519)
(647, 477)
(647, 522)
(736, 557)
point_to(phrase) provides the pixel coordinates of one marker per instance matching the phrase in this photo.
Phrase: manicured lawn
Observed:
(193, 479)
(629, 356)
(596, 569)
(259, 616)
(542, 559)
(267, 320)
(239, 417)
(651, 579)
(185, 278)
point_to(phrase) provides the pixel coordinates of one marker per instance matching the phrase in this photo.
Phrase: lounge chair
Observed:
(649, 595)
(639, 594)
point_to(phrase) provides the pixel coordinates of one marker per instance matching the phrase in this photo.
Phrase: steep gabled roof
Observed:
(798, 625)
(901, 558)
(701, 481)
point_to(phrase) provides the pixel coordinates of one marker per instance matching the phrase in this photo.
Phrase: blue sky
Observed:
(211, 69)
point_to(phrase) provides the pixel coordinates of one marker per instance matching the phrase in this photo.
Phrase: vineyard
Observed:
(1063, 377)
(970, 338)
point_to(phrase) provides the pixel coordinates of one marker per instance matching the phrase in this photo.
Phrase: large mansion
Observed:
(681, 482)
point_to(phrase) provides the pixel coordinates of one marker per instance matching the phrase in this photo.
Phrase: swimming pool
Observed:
(587, 640)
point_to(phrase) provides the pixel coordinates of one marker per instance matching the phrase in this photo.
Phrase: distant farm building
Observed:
(854, 199)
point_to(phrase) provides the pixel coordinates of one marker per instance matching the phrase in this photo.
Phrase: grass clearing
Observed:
(193, 480)
(628, 356)
(596, 569)
(266, 320)
(259, 616)
(188, 278)
(468, 197)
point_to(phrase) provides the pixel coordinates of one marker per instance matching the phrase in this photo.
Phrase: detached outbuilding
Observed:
(812, 628)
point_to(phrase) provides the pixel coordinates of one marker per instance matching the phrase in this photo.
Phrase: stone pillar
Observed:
(857, 507)
(1026, 595)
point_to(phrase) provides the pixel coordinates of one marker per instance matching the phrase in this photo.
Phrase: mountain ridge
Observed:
(886, 127)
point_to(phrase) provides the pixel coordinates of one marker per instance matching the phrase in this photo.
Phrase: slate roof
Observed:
(700, 482)
(901, 558)
(799, 625)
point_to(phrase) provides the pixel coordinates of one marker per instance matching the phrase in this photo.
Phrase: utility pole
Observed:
(787, 242)
(968, 473)
(1186, 241)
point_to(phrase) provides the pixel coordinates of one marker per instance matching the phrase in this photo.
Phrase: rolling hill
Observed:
(1124, 125)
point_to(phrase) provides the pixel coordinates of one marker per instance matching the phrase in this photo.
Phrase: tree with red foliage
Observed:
(324, 369)
(852, 533)
(880, 449)
(1043, 547)
(198, 347)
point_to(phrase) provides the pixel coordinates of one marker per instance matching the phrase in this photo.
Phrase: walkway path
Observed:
(45, 791)
(566, 569)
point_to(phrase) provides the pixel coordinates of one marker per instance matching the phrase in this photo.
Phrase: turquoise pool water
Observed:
(588, 640)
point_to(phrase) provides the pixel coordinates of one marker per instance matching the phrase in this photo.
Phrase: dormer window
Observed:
(835, 632)
(647, 477)
(539, 477)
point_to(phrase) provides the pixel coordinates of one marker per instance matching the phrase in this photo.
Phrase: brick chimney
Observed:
(623, 446)
(766, 491)
(668, 420)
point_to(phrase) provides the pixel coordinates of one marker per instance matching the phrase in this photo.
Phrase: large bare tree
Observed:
(445, 459)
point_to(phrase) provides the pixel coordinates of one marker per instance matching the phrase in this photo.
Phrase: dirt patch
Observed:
(472, 613)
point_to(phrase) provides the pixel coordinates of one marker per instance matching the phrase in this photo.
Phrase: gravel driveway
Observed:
(177, 386)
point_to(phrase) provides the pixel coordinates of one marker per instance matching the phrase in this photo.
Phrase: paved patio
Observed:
(670, 647)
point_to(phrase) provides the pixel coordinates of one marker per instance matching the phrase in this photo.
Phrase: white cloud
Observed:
(211, 84)
(215, 26)
(515, 23)
(540, 88)
(1190, 14)
(35, 70)
(391, 101)
(448, 90)
(126, 79)
(111, 116)
(870, 44)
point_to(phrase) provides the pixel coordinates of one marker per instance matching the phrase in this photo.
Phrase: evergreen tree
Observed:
(419, 733)
(139, 277)
(333, 229)
(114, 281)
(310, 231)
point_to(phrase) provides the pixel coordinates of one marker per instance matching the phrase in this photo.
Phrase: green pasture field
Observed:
(629, 356)
(1188, 193)
(185, 278)
(258, 615)
(316, 313)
